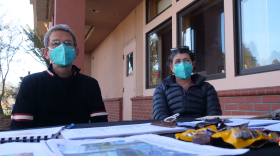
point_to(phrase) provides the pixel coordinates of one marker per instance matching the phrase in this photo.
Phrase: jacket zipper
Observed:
(185, 100)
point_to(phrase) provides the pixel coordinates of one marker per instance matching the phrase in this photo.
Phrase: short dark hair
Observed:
(180, 50)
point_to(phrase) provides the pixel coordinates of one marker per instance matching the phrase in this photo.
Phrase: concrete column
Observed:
(72, 13)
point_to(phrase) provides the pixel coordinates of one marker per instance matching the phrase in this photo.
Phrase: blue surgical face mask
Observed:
(183, 70)
(63, 55)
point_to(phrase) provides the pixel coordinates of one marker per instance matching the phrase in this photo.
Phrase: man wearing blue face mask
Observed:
(60, 95)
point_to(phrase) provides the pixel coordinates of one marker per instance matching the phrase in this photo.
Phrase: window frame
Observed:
(238, 47)
(180, 14)
(157, 28)
(127, 65)
(148, 12)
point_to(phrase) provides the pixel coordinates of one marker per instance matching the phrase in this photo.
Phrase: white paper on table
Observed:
(50, 132)
(252, 123)
(235, 122)
(33, 149)
(192, 123)
(274, 127)
(115, 131)
(146, 143)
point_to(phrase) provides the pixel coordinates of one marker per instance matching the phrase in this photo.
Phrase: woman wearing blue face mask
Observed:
(182, 92)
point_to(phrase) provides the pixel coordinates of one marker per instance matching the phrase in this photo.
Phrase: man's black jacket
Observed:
(201, 99)
(44, 99)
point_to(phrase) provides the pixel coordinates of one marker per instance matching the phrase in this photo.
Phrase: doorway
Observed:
(129, 79)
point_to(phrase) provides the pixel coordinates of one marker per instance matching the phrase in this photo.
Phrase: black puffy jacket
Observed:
(201, 99)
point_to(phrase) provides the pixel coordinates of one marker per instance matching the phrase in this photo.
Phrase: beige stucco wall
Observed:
(140, 50)
(129, 27)
(107, 65)
(87, 64)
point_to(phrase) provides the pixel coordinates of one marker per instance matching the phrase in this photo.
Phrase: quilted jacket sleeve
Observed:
(213, 106)
(160, 107)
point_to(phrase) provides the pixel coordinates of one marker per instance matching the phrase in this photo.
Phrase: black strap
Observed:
(10, 139)
(24, 139)
(2, 140)
(38, 138)
(31, 139)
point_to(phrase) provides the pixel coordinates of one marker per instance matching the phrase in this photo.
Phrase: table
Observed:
(268, 149)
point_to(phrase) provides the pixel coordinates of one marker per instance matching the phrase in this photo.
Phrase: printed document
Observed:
(253, 122)
(25, 149)
(274, 127)
(147, 144)
(115, 131)
(236, 117)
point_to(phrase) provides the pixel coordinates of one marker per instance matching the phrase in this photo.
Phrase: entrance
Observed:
(129, 79)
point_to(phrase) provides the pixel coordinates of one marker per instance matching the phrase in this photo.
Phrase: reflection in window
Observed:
(260, 33)
(129, 64)
(156, 7)
(160, 43)
(203, 31)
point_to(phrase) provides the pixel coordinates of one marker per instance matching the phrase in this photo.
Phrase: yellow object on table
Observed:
(189, 134)
(241, 138)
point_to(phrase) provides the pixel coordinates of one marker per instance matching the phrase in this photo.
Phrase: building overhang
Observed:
(101, 17)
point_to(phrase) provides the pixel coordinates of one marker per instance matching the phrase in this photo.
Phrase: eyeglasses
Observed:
(181, 47)
(56, 43)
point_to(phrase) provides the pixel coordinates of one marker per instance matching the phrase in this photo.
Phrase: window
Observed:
(159, 43)
(257, 33)
(202, 29)
(129, 64)
(156, 7)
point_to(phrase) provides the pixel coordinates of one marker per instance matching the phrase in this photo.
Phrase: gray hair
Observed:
(61, 27)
